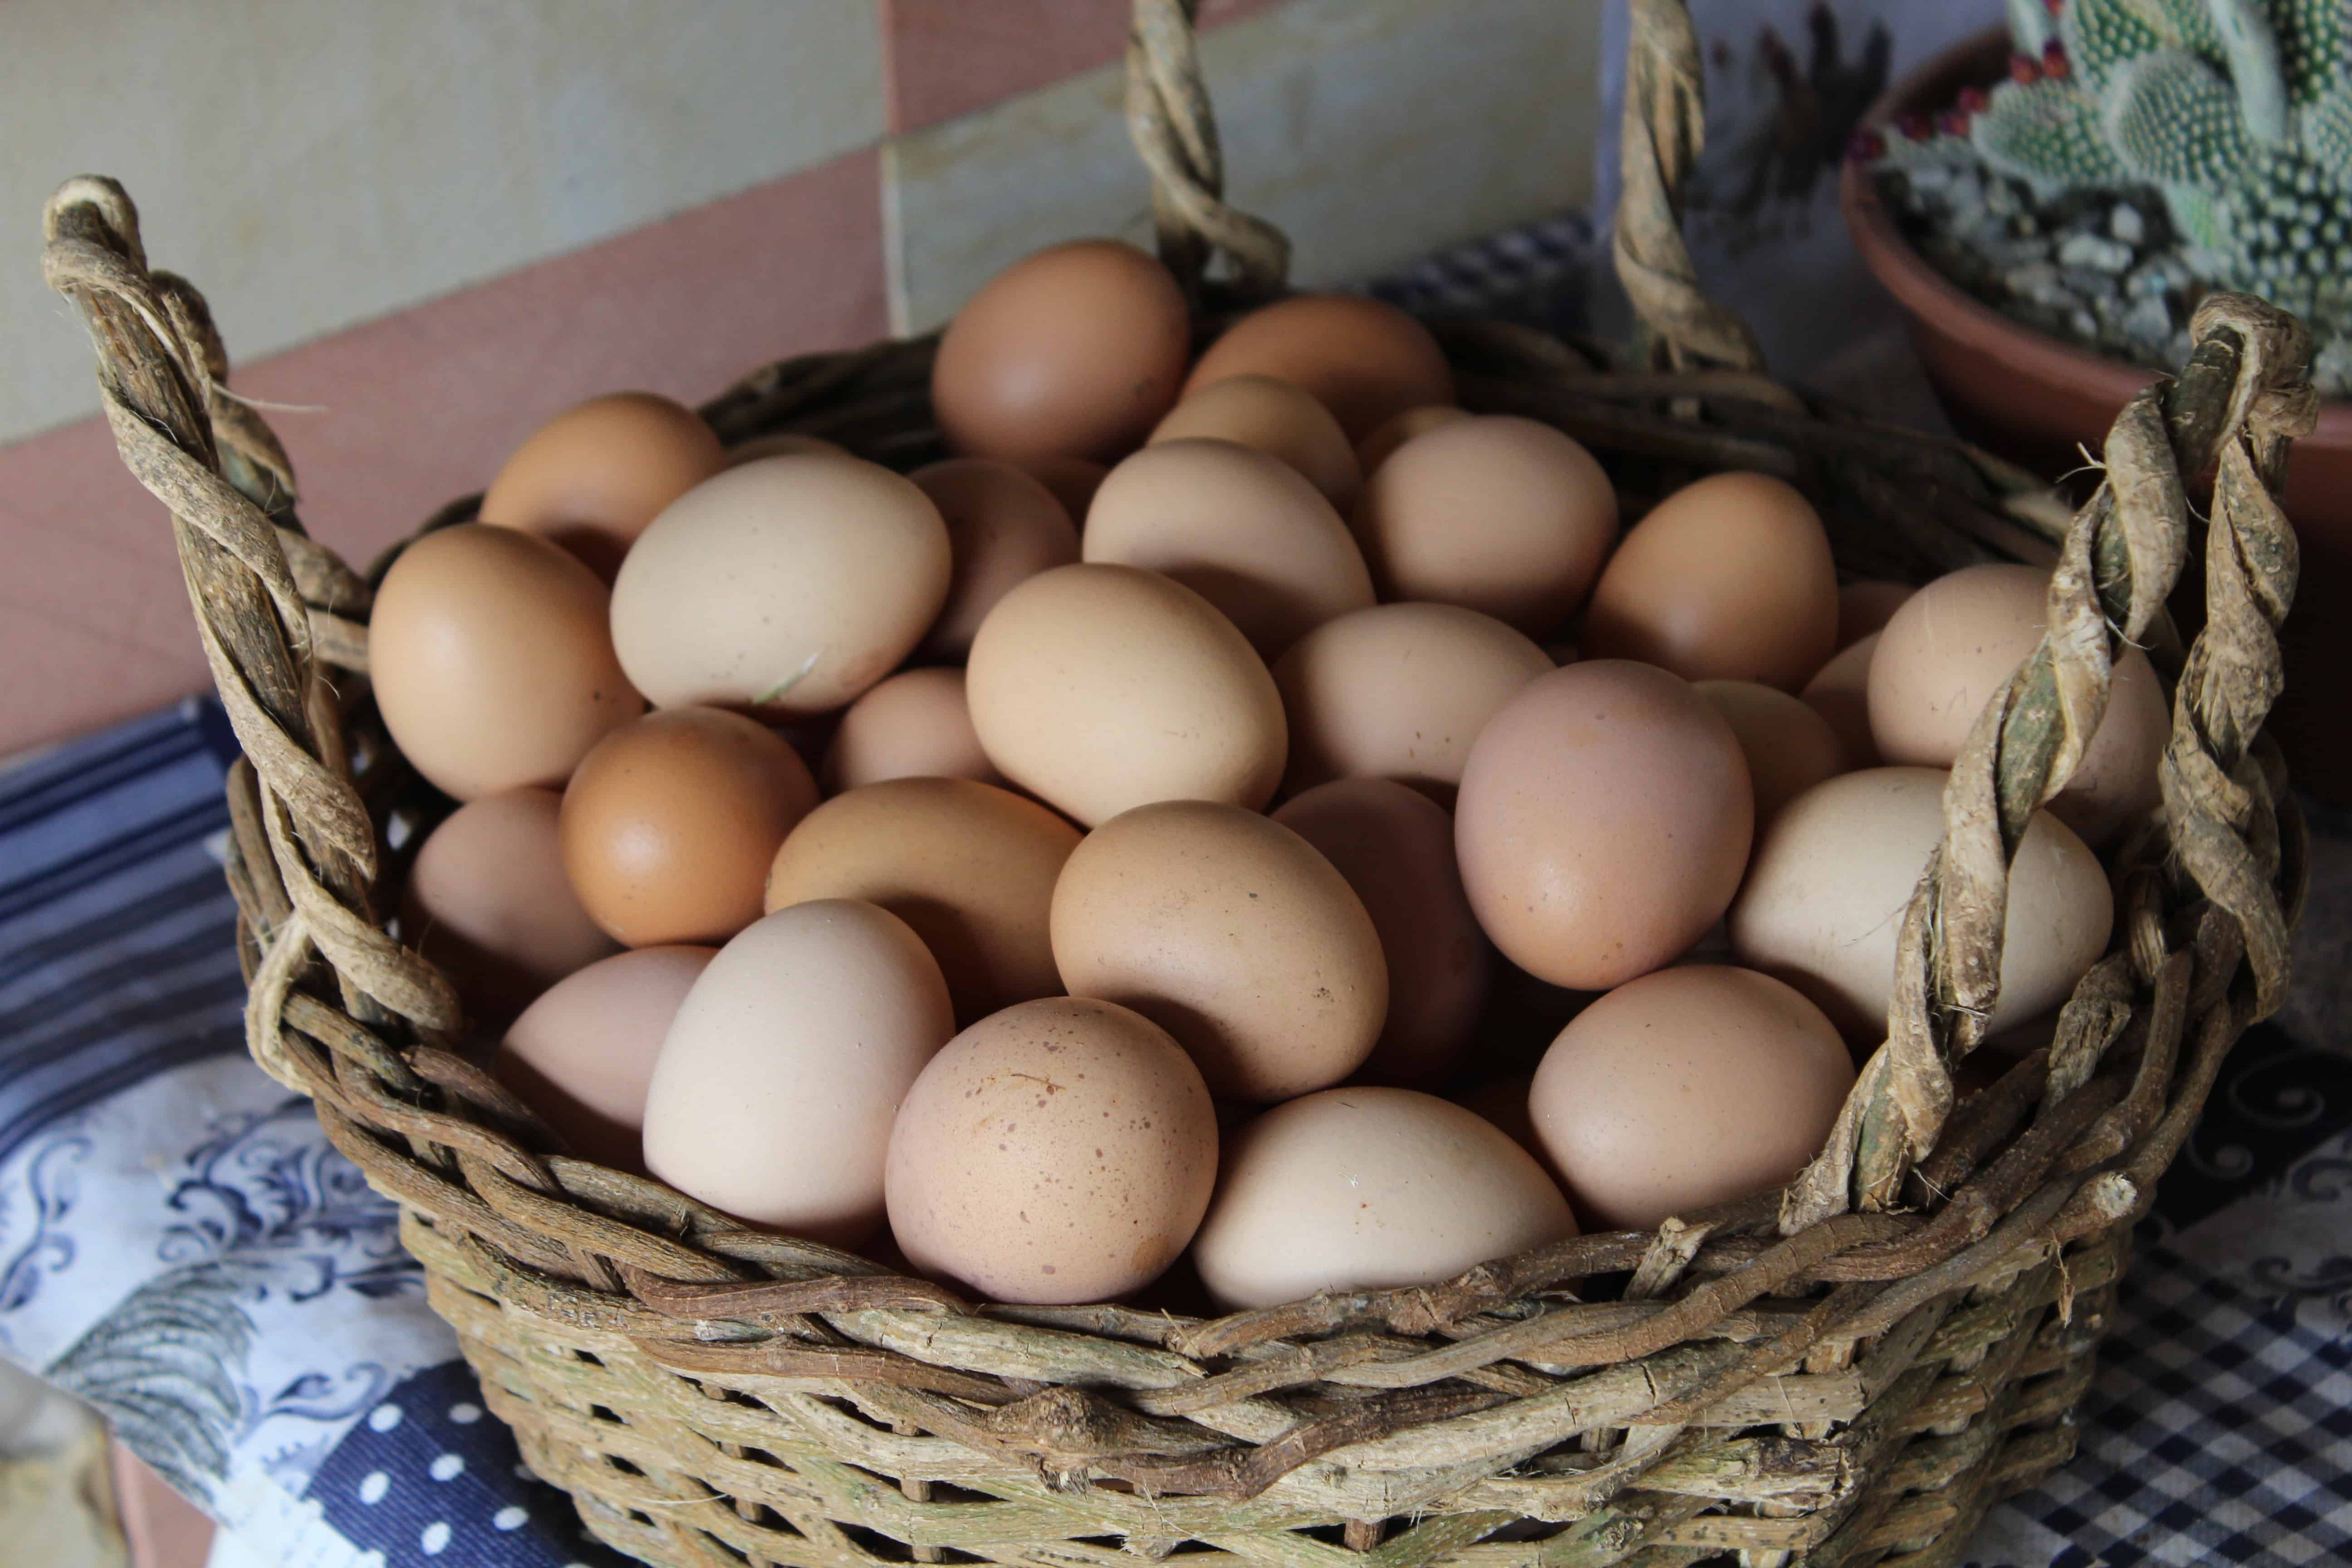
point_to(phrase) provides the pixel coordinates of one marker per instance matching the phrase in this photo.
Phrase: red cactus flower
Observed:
(2023, 69)
(1866, 146)
(1915, 127)
(2054, 60)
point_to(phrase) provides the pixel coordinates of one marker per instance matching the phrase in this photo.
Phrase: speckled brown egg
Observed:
(1376, 447)
(583, 1055)
(1789, 747)
(1100, 687)
(1276, 418)
(1364, 360)
(1955, 644)
(914, 725)
(1822, 906)
(1840, 692)
(971, 867)
(786, 586)
(1497, 514)
(1004, 527)
(1604, 822)
(1367, 1189)
(1866, 604)
(1395, 848)
(671, 824)
(1232, 934)
(1694, 1086)
(492, 660)
(488, 901)
(1075, 350)
(1062, 1151)
(778, 1082)
(1245, 531)
(1728, 579)
(1399, 691)
(594, 476)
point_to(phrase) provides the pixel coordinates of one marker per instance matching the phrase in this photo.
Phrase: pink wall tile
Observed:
(946, 57)
(418, 408)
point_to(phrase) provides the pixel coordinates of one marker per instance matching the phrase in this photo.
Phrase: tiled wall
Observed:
(429, 225)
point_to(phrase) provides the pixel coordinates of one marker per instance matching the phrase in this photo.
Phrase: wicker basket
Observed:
(1847, 1371)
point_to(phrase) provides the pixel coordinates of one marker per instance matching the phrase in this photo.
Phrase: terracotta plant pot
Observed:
(2036, 400)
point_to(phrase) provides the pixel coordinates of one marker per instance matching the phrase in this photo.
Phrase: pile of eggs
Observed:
(1158, 830)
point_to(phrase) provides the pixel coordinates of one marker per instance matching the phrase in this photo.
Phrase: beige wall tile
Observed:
(1372, 130)
(317, 162)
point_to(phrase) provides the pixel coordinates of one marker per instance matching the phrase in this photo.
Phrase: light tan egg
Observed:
(914, 725)
(1395, 848)
(595, 475)
(1364, 360)
(784, 444)
(1955, 643)
(487, 900)
(778, 1082)
(1241, 529)
(1399, 691)
(1276, 418)
(1726, 578)
(969, 865)
(1789, 747)
(1232, 934)
(670, 823)
(1866, 604)
(1691, 1087)
(1603, 821)
(1075, 350)
(491, 661)
(1496, 513)
(1368, 1189)
(1840, 692)
(1822, 906)
(583, 1055)
(1100, 688)
(1381, 443)
(1004, 527)
(786, 586)
(1062, 1151)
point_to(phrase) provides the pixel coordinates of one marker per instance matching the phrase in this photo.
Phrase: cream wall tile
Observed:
(312, 163)
(1372, 130)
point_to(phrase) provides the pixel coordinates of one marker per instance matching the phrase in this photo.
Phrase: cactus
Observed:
(2238, 111)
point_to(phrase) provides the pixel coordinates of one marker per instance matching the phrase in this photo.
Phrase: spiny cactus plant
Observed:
(2239, 112)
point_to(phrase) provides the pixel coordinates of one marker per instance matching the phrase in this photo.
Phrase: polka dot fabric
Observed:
(430, 1481)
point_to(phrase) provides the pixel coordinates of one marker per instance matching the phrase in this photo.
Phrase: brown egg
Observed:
(784, 444)
(1004, 527)
(787, 585)
(1381, 443)
(969, 867)
(491, 661)
(1274, 417)
(1866, 605)
(1604, 822)
(583, 1055)
(1072, 351)
(1367, 1189)
(1840, 692)
(1395, 848)
(594, 476)
(1789, 747)
(1728, 579)
(1233, 934)
(1101, 687)
(1060, 1151)
(1822, 906)
(1243, 529)
(1399, 691)
(778, 1082)
(669, 824)
(1497, 514)
(488, 902)
(914, 725)
(1687, 1088)
(1955, 643)
(1073, 480)
(1365, 360)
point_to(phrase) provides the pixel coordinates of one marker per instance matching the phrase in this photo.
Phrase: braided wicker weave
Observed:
(1848, 1372)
